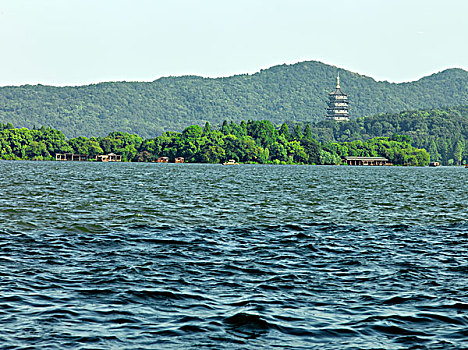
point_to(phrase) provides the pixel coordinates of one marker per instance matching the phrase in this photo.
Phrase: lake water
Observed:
(170, 256)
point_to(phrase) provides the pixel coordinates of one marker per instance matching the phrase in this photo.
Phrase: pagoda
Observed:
(337, 103)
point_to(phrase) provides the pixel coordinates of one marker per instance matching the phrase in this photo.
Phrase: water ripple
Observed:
(200, 256)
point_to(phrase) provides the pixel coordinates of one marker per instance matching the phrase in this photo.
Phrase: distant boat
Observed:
(230, 162)
(434, 164)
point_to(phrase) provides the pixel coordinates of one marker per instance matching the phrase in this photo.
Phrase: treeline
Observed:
(443, 132)
(297, 92)
(247, 142)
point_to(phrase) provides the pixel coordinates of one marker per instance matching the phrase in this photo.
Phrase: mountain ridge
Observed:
(296, 92)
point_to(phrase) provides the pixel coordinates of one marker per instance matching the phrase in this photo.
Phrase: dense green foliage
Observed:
(443, 132)
(296, 92)
(248, 142)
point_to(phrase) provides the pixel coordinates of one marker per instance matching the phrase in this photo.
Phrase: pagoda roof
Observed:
(338, 92)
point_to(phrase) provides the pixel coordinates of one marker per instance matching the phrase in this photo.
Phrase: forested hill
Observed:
(295, 92)
(443, 132)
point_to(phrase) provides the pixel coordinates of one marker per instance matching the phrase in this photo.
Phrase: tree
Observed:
(313, 149)
(298, 133)
(308, 133)
(207, 129)
(284, 131)
(195, 131)
(458, 151)
(37, 151)
(278, 151)
(212, 154)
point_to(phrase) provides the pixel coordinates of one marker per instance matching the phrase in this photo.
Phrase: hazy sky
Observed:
(75, 42)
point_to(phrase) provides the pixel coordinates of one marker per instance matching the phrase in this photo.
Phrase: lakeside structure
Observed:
(72, 157)
(111, 157)
(372, 161)
(337, 103)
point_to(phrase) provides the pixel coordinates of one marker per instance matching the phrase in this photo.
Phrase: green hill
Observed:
(295, 92)
(443, 132)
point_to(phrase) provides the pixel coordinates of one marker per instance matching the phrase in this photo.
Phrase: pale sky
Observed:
(77, 42)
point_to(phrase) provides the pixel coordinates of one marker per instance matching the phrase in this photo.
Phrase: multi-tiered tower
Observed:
(337, 103)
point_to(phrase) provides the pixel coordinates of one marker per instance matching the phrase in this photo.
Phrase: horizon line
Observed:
(258, 71)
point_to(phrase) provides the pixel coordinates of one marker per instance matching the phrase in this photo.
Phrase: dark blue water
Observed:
(170, 256)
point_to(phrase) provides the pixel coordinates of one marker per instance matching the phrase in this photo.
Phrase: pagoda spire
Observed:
(338, 81)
